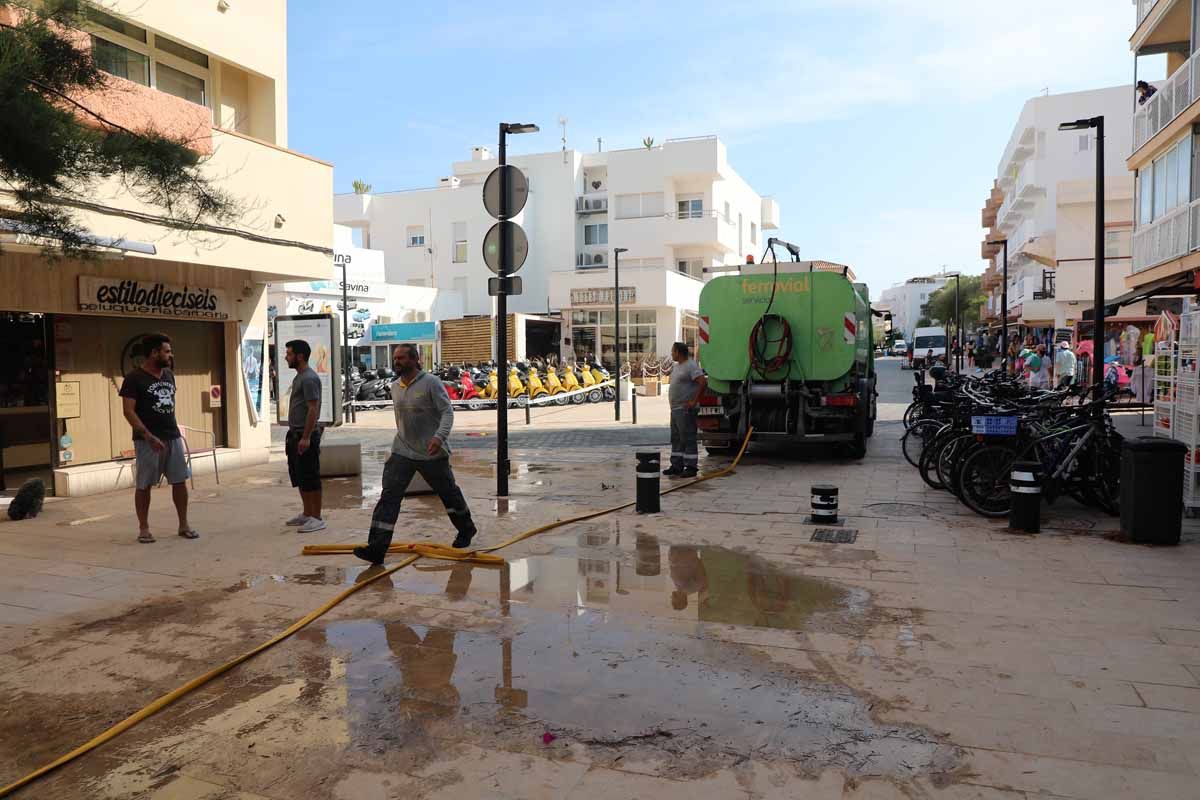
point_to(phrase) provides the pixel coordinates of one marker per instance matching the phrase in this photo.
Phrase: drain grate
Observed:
(835, 535)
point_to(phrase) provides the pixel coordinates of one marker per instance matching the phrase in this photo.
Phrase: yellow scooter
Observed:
(570, 382)
(492, 390)
(557, 390)
(536, 387)
(516, 388)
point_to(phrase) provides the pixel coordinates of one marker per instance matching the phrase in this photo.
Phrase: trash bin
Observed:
(1152, 489)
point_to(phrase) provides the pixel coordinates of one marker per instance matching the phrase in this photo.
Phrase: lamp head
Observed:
(1078, 125)
(520, 127)
(620, 249)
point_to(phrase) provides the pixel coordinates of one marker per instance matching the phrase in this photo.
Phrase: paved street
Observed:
(712, 650)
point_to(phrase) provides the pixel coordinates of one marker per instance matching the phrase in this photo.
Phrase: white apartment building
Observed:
(907, 300)
(678, 208)
(1043, 203)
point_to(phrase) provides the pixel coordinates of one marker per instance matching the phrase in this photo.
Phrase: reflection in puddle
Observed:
(593, 678)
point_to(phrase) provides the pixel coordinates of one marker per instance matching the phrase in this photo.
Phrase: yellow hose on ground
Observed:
(418, 549)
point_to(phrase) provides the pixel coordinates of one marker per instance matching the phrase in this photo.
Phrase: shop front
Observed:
(647, 333)
(384, 337)
(71, 331)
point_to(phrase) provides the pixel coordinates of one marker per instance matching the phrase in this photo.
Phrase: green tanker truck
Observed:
(789, 353)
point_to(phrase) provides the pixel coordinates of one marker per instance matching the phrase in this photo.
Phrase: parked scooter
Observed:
(517, 390)
(601, 375)
(556, 388)
(536, 387)
(570, 382)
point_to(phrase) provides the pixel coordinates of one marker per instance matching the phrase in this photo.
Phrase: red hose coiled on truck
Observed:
(762, 361)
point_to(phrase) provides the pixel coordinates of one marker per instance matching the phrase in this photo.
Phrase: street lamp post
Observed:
(1098, 277)
(502, 465)
(1003, 308)
(346, 340)
(617, 321)
(958, 337)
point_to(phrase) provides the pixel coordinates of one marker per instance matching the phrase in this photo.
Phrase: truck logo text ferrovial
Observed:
(760, 291)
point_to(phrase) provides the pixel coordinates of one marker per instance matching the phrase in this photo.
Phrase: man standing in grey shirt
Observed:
(424, 417)
(687, 382)
(303, 442)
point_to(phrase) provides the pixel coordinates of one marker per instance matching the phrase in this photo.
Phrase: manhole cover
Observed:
(898, 509)
(835, 535)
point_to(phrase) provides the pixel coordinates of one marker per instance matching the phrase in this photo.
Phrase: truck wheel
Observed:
(858, 448)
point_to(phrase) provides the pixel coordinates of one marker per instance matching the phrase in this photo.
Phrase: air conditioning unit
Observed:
(452, 181)
(598, 258)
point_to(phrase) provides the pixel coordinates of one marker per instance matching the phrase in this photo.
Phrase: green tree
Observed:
(361, 187)
(970, 296)
(54, 151)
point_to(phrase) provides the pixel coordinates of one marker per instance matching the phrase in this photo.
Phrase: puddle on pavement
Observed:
(600, 648)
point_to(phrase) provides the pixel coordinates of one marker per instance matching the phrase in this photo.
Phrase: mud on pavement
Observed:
(630, 652)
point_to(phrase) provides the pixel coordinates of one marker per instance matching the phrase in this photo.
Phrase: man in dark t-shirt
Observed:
(148, 397)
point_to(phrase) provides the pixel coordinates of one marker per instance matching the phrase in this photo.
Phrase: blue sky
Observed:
(876, 124)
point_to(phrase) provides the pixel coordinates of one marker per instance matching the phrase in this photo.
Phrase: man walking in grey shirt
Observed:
(303, 442)
(687, 382)
(424, 417)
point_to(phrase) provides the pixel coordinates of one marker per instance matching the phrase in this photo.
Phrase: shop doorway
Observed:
(25, 421)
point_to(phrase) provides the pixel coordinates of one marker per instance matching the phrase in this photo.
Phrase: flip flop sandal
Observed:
(145, 537)
(189, 533)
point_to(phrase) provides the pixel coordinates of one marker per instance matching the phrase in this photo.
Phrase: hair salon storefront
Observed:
(70, 331)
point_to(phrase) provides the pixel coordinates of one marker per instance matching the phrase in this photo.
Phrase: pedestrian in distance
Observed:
(303, 442)
(424, 418)
(1065, 364)
(148, 402)
(687, 383)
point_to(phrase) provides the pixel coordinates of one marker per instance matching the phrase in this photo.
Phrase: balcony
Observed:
(593, 203)
(770, 214)
(1177, 93)
(1172, 236)
(702, 228)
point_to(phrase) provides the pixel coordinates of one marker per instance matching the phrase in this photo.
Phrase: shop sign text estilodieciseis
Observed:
(152, 299)
(602, 297)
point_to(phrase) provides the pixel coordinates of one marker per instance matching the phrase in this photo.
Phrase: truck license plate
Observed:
(710, 411)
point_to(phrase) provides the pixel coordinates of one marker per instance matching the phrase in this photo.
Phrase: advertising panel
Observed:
(324, 337)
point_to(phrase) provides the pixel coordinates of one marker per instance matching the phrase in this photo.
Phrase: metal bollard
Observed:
(648, 478)
(634, 401)
(527, 411)
(824, 504)
(1025, 513)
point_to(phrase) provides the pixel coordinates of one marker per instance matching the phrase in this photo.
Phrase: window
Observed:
(1084, 144)
(1166, 184)
(690, 266)
(1145, 188)
(753, 233)
(415, 236)
(460, 242)
(595, 234)
(121, 61)
(1112, 244)
(689, 208)
(180, 51)
(113, 24)
(633, 206)
(727, 211)
(173, 81)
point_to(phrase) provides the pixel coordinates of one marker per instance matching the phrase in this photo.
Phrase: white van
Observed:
(926, 340)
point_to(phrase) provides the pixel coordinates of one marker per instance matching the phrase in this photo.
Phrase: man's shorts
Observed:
(149, 466)
(304, 469)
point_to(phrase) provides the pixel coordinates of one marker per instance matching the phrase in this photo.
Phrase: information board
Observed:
(323, 335)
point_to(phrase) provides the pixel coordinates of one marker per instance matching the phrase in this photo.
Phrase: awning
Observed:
(17, 233)
(1171, 285)
(1040, 249)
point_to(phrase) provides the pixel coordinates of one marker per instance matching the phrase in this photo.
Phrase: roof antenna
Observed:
(599, 145)
(563, 122)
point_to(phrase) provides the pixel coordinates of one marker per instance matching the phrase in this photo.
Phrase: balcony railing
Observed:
(1172, 236)
(1179, 92)
(591, 205)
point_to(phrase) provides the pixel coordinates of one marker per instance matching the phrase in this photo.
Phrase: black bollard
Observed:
(647, 483)
(527, 404)
(633, 399)
(824, 504)
(1025, 513)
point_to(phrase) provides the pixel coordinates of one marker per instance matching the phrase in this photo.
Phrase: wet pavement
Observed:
(711, 650)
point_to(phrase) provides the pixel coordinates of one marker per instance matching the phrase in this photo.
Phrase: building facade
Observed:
(907, 302)
(1162, 155)
(679, 209)
(217, 75)
(1043, 203)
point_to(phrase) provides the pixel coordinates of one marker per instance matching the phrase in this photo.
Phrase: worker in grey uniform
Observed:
(424, 417)
(687, 383)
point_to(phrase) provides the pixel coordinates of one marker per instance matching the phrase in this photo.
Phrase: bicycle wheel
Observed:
(951, 457)
(984, 480)
(1104, 490)
(916, 438)
(928, 464)
(916, 411)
